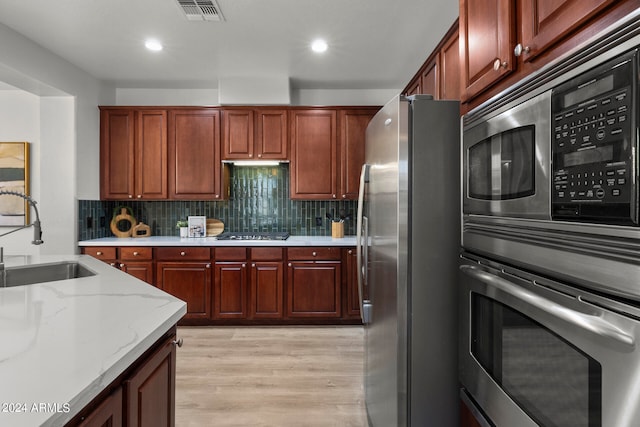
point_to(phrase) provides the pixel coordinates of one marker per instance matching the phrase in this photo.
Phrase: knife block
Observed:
(337, 230)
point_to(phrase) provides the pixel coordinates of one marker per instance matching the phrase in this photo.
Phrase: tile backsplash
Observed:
(259, 201)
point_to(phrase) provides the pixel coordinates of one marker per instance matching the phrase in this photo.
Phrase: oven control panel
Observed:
(594, 147)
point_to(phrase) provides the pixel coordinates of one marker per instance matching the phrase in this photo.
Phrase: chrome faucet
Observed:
(37, 230)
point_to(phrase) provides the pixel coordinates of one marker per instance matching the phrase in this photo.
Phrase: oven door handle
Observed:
(596, 325)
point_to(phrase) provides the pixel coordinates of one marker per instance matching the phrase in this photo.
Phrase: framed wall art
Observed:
(14, 176)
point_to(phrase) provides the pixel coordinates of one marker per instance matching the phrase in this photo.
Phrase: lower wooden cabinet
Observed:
(189, 281)
(245, 285)
(143, 396)
(108, 413)
(314, 282)
(352, 299)
(266, 293)
(150, 391)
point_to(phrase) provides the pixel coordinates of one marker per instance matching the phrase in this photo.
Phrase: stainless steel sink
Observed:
(40, 273)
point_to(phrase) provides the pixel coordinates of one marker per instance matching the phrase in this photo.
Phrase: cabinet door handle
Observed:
(178, 342)
(519, 50)
(183, 253)
(497, 64)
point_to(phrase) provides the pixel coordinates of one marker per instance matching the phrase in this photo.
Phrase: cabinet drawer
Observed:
(136, 253)
(266, 254)
(100, 252)
(183, 253)
(230, 254)
(313, 253)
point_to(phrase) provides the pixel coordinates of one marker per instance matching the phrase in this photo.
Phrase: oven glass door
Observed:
(554, 382)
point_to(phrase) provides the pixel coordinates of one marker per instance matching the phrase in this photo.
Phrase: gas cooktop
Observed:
(254, 235)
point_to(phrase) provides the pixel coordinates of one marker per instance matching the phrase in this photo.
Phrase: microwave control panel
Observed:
(594, 147)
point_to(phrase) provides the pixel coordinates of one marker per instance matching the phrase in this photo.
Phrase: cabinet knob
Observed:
(350, 252)
(178, 342)
(112, 264)
(139, 196)
(497, 64)
(217, 196)
(290, 265)
(183, 253)
(250, 155)
(259, 155)
(344, 196)
(314, 253)
(208, 266)
(253, 265)
(130, 196)
(122, 265)
(99, 253)
(136, 253)
(519, 50)
(334, 196)
(244, 265)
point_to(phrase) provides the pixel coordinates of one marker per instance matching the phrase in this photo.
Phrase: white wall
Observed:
(57, 111)
(20, 122)
(138, 96)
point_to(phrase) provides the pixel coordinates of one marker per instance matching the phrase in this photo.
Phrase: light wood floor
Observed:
(270, 376)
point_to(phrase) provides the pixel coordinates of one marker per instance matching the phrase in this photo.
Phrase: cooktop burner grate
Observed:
(254, 235)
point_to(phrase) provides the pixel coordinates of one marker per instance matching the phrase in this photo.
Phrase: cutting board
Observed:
(214, 227)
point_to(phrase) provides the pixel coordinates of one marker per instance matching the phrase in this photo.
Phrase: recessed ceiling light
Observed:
(319, 45)
(153, 45)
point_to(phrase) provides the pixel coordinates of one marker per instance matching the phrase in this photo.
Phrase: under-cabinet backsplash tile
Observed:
(259, 201)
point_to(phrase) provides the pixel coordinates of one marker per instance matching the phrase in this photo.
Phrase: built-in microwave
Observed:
(568, 154)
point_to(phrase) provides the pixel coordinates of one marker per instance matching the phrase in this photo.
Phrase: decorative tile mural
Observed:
(259, 201)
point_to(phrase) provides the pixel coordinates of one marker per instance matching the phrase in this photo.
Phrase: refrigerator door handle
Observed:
(362, 242)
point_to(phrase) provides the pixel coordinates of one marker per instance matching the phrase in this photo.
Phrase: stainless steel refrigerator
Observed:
(408, 245)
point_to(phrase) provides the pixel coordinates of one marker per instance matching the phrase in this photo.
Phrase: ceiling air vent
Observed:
(201, 10)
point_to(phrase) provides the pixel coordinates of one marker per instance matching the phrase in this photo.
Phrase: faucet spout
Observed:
(37, 228)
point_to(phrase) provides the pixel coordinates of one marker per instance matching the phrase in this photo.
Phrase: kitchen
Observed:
(63, 122)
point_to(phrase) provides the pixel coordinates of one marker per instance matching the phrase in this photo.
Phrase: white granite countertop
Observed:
(212, 241)
(63, 342)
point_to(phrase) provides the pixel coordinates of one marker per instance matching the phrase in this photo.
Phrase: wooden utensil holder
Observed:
(337, 230)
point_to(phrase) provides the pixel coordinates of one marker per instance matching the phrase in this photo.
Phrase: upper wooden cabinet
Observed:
(439, 76)
(327, 152)
(503, 41)
(133, 154)
(314, 154)
(254, 134)
(194, 154)
(487, 39)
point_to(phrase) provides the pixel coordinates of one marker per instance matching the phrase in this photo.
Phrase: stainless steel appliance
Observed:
(550, 269)
(253, 235)
(408, 228)
(536, 351)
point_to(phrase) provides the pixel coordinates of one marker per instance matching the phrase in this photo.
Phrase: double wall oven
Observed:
(550, 265)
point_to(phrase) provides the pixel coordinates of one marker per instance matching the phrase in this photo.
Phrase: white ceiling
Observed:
(373, 44)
